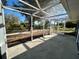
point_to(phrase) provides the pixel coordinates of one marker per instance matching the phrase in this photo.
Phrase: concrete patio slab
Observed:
(49, 47)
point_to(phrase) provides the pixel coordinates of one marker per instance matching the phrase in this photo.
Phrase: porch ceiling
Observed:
(72, 8)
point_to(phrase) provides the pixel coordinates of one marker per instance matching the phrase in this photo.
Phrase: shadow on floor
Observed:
(58, 47)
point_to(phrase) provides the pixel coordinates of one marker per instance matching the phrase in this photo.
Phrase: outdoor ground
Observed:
(55, 46)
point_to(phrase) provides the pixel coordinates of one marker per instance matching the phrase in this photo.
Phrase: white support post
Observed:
(43, 27)
(58, 27)
(54, 27)
(31, 28)
(64, 25)
(50, 27)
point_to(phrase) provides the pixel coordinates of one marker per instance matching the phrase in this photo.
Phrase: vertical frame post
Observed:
(50, 27)
(58, 27)
(64, 25)
(54, 27)
(31, 28)
(43, 27)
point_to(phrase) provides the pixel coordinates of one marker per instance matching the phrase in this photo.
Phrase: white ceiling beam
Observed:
(15, 10)
(22, 8)
(56, 15)
(35, 7)
(29, 5)
(47, 7)
(38, 4)
(37, 16)
(45, 12)
(40, 11)
(36, 12)
(20, 11)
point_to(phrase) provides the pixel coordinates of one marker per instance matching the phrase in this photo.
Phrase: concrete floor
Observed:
(51, 47)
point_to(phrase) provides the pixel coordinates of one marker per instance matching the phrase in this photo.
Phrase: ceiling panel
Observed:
(72, 8)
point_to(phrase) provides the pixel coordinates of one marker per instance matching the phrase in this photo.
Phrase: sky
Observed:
(12, 3)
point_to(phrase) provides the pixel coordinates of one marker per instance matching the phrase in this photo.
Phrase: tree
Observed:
(12, 22)
(70, 25)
